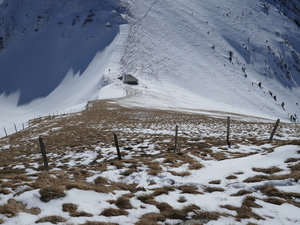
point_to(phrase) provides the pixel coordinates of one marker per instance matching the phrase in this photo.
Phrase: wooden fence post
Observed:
(274, 130)
(44, 154)
(5, 131)
(228, 131)
(117, 146)
(16, 128)
(176, 138)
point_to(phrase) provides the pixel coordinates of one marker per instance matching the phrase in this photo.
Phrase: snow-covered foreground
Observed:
(255, 181)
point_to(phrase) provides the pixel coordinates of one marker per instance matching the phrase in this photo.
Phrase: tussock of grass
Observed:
(101, 181)
(80, 174)
(146, 222)
(206, 216)
(163, 190)
(213, 189)
(215, 182)
(113, 212)
(231, 177)
(97, 223)
(51, 219)
(270, 170)
(290, 160)
(129, 172)
(123, 203)
(69, 207)
(257, 178)
(13, 208)
(195, 166)
(295, 167)
(271, 191)
(242, 192)
(186, 189)
(245, 211)
(180, 174)
(4, 191)
(155, 217)
(164, 207)
(81, 214)
(52, 192)
(274, 201)
(148, 199)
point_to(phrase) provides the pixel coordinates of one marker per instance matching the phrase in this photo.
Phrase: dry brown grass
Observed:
(270, 170)
(97, 223)
(52, 192)
(187, 189)
(4, 191)
(51, 219)
(146, 198)
(257, 178)
(195, 166)
(274, 201)
(12, 208)
(215, 182)
(101, 181)
(163, 190)
(207, 216)
(123, 203)
(114, 212)
(129, 172)
(242, 192)
(295, 167)
(180, 174)
(231, 177)
(69, 207)
(213, 189)
(81, 214)
(93, 127)
(271, 191)
(245, 211)
(290, 160)
(154, 217)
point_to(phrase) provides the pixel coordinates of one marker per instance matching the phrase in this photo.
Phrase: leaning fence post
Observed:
(16, 128)
(176, 138)
(274, 130)
(5, 131)
(117, 146)
(44, 154)
(228, 131)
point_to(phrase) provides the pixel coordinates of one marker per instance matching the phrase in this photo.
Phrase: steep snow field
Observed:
(181, 50)
(197, 56)
(56, 56)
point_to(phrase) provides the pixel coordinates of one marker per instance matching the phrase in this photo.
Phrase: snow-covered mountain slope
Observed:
(219, 52)
(54, 54)
(232, 56)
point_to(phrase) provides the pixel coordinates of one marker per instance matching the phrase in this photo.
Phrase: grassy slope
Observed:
(82, 157)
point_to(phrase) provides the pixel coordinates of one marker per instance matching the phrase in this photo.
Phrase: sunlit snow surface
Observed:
(178, 51)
